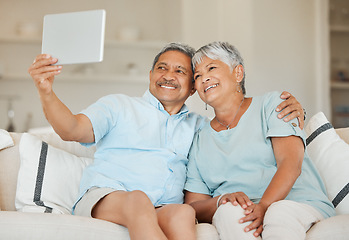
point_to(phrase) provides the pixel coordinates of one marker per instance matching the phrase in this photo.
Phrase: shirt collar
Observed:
(156, 103)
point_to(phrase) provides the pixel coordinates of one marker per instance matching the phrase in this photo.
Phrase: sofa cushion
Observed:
(5, 139)
(34, 226)
(331, 228)
(48, 177)
(331, 157)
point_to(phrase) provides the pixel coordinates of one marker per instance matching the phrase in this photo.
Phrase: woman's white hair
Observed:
(221, 51)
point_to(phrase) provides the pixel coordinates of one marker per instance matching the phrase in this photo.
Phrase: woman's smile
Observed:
(210, 87)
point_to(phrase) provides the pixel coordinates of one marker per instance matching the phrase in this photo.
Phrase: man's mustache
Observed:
(168, 83)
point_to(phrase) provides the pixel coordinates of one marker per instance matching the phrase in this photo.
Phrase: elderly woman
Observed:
(248, 171)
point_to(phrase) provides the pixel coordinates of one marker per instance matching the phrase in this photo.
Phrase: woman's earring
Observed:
(238, 87)
(205, 106)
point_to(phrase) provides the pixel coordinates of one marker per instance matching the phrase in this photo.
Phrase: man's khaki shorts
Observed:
(90, 199)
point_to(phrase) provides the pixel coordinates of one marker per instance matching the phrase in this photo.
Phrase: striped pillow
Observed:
(48, 177)
(330, 155)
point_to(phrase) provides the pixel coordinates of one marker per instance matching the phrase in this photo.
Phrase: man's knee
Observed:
(122, 203)
(184, 211)
(177, 213)
(137, 199)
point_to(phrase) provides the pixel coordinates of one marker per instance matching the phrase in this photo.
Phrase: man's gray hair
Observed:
(224, 52)
(180, 47)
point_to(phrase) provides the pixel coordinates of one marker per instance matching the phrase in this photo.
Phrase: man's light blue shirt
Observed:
(139, 146)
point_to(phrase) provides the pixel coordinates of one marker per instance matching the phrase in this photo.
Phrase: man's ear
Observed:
(150, 72)
(239, 73)
(193, 90)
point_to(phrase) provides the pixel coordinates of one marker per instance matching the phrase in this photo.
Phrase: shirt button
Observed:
(294, 124)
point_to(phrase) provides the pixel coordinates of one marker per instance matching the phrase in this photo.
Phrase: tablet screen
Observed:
(76, 37)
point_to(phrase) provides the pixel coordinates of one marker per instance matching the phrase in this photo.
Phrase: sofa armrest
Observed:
(9, 165)
(343, 133)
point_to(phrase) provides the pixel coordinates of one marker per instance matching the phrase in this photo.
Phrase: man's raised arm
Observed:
(68, 126)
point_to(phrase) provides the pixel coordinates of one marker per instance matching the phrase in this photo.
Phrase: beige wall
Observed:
(283, 43)
(280, 41)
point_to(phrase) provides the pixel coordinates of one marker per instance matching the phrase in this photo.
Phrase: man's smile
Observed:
(168, 85)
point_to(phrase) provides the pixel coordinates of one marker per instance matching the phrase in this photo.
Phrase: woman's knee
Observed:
(278, 212)
(283, 218)
(226, 220)
(228, 212)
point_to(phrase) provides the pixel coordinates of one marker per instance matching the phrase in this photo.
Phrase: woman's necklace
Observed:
(227, 126)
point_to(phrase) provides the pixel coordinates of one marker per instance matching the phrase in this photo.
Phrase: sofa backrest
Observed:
(10, 160)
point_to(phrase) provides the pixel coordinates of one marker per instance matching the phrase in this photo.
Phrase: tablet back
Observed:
(76, 37)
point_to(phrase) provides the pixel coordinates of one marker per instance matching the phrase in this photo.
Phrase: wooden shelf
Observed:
(20, 40)
(108, 42)
(340, 85)
(69, 76)
(124, 78)
(135, 44)
(339, 29)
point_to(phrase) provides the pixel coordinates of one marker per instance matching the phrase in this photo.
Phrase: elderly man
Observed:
(139, 167)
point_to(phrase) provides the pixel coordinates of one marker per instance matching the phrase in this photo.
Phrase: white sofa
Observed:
(30, 225)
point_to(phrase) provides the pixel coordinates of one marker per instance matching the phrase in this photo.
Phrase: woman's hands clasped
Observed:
(254, 212)
(236, 198)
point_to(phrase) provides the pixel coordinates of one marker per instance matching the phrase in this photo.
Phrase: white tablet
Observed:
(76, 37)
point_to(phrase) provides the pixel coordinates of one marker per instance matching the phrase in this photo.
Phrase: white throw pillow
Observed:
(5, 139)
(48, 177)
(330, 155)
